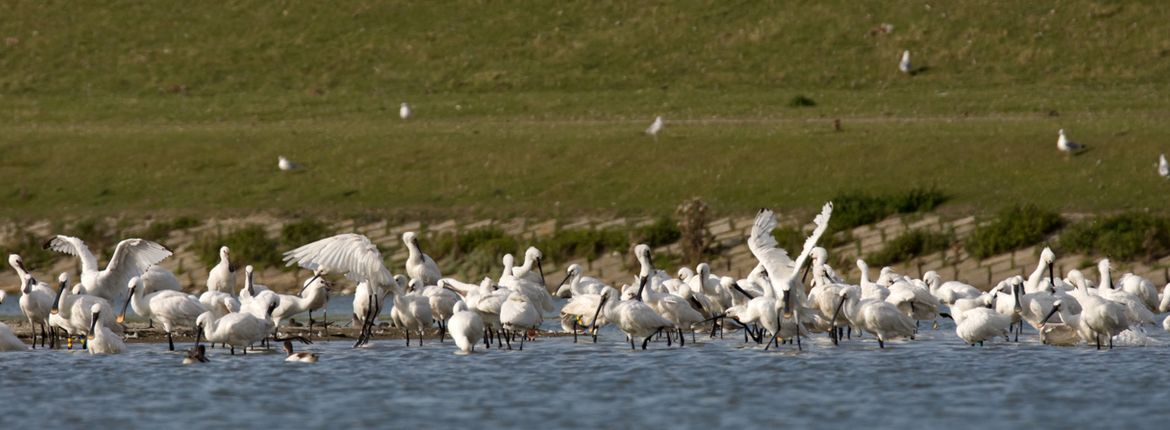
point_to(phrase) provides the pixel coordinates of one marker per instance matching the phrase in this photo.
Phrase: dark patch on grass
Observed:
(800, 101)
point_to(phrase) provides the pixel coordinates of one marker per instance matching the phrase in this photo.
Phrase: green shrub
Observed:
(586, 243)
(1013, 228)
(790, 239)
(249, 244)
(158, 231)
(855, 209)
(664, 231)
(912, 244)
(1126, 237)
(303, 232)
(464, 243)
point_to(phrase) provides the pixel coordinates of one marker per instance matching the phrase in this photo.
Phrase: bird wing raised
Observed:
(76, 247)
(774, 259)
(350, 254)
(133, 257)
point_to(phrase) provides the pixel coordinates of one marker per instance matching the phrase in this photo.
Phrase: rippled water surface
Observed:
(933, 382)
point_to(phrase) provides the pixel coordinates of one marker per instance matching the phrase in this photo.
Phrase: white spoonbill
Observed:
(466, 328)
(132, 257)
(255, 298)
(72, 312)
(634, 318)
(951, 291)
(519, 316)
(577, 283)
(36, 299)
(8, 340)
(222, 277)
(314, 295)
(582, 311)
(1163, 167)
(169, 308)
(418, 264)
(237, 329)
(404, 111)
(412, 310)
(537, 294)
(905, 65)
(532, 257)
(980, 324)
(877, 317)
(101, 339)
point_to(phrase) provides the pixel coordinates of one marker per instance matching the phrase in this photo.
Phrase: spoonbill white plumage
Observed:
(879, 318)
(253, 298)
(537, 294)
(951, 291)
(578, 283)
(132, 257)
(1163, 167)
(101, 339)
(905, 65)
(286, 165)
(169, 308)
(73, 311)
(655, 127)
(981, 324)
(404, 111)
(237, 329)
(158, 278)
(532, 257)
(36, 299)
(442, 303)
(313, 295)
(367, 304)
(412, 310)
(1068, 146)
(519, 316)
(418, 264)
(8, 340)
(634, 318)
(466, 327)
(581, 311)
(222, 277)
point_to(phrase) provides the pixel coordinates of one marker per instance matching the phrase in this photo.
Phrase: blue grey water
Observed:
(933, 382)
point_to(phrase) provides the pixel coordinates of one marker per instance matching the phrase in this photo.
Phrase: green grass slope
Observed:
(536, 108)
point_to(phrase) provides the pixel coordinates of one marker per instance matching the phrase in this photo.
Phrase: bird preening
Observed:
(786, 300)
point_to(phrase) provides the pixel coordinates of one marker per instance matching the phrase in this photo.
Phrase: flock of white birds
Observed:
(784, 300)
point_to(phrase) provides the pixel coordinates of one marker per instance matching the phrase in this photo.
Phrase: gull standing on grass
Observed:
(1067, 146)
(404, 111)
(286, 165)
(655, 127)
(904, 65)
(1163, 167)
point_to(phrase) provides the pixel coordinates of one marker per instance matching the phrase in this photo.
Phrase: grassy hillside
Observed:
(536, 108)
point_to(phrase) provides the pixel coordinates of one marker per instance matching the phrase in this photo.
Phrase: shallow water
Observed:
(931, 382)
